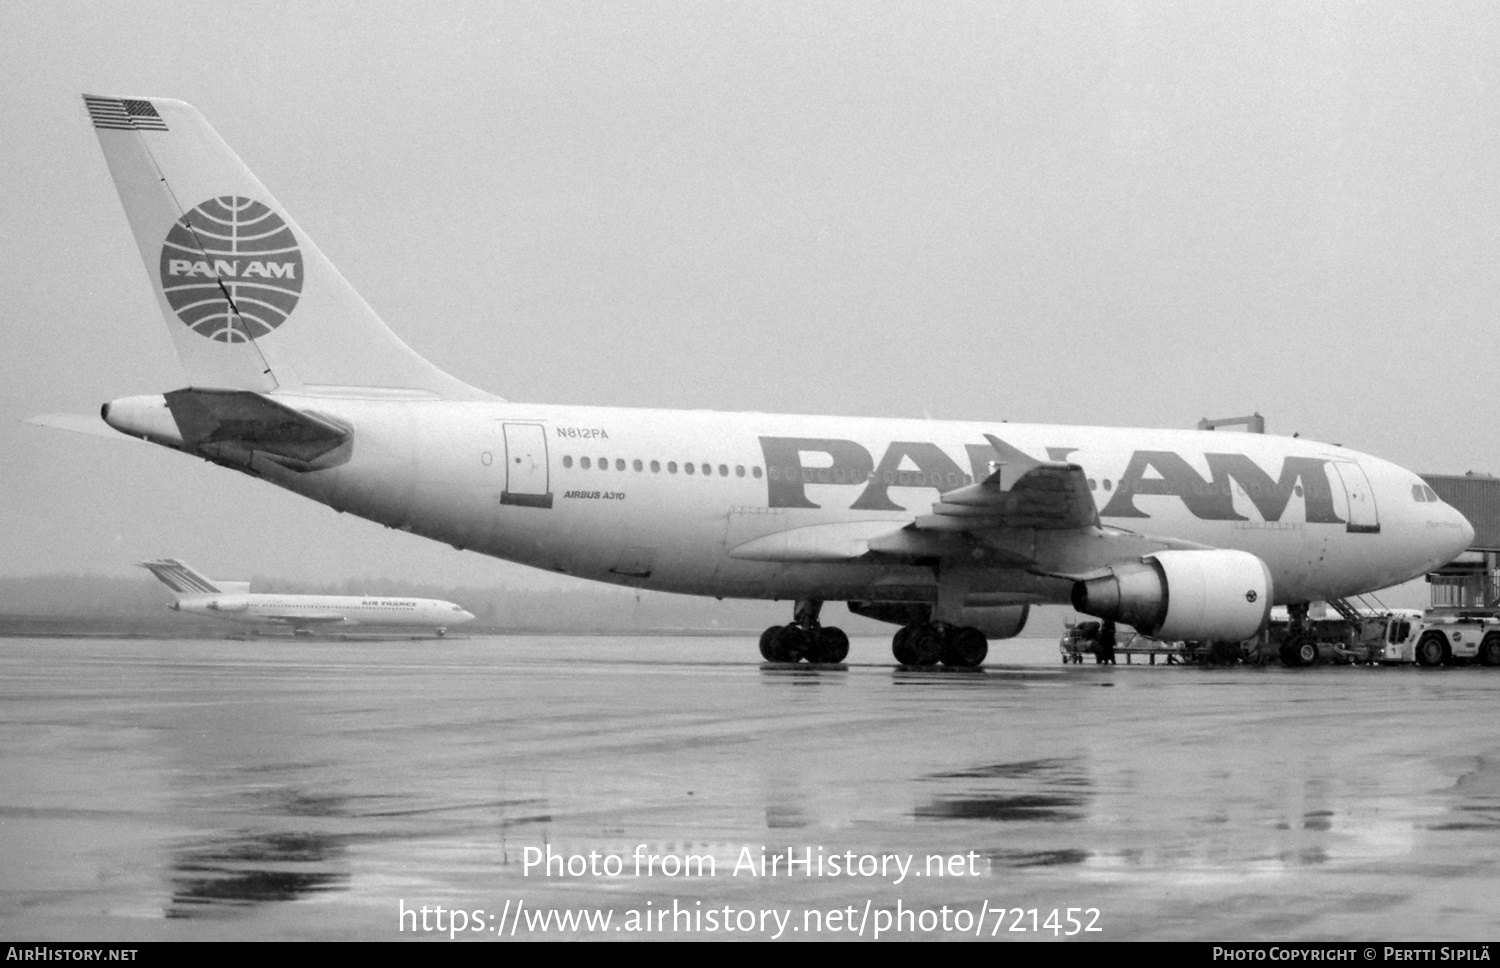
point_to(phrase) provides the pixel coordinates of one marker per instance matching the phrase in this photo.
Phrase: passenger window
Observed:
(1106, 483)
(604, 463)
(723, 471)
(568, 461)
(756, 471)
(707, 470)
(739, 470)
(1093, 485)
(638, 465)
(671, 467)
(656, 467)
(619, 463)
(583, 462)
(688, 468)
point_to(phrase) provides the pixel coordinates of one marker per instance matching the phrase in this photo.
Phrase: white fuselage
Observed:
(326, 611)
(604, 494)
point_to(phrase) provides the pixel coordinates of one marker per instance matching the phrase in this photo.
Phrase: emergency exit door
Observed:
(526, 480)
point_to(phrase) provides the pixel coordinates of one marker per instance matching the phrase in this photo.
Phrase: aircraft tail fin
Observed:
(251, 302)
(181, 578)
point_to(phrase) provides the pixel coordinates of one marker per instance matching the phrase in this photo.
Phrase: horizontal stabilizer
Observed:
(181, 578)
(235, 425)
(78, 423)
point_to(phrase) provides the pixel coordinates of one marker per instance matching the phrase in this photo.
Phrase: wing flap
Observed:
(818, 542)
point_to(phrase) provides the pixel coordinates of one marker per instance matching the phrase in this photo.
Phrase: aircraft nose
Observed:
(1467, 529)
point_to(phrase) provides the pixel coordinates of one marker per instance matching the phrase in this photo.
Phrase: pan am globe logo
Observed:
(231, 269)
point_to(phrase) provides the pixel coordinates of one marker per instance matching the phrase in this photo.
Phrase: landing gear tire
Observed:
(901, 645)
(927, 643)
(1299, 652)
(964, 648)
(827, 644)
(1489, 650)
(768, 643)
(790, 644)
(1432, 650)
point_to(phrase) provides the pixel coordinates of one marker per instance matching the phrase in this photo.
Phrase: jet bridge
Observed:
(1472, 580)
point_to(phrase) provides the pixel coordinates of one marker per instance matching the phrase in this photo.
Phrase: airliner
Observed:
(950, 531)
(234, 602)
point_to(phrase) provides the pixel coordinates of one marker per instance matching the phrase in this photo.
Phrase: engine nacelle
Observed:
(1216, 595)
(230, 603)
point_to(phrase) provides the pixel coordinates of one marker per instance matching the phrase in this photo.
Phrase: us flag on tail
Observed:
(123, 114)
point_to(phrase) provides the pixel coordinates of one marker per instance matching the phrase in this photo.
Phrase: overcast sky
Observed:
(1105, 212)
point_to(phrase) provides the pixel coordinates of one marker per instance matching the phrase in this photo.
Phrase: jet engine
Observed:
(1216, 595)
(229, 604)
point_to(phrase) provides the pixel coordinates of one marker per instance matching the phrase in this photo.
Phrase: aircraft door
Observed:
(1362, 516)
(526, 475)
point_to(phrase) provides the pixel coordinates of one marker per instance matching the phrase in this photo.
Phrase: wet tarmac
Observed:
(317, 790)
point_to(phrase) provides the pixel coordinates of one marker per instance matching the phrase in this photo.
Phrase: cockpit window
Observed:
(1431, 494)
(1419, 492)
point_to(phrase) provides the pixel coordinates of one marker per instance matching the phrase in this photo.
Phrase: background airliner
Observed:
(949, 530)
(234, 602)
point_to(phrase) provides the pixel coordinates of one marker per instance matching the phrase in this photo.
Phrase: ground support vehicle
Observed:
(1333, 640)
(1079, 640)
(1450, 636)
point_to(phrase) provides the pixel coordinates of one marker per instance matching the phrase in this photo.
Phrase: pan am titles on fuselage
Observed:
(950, 531)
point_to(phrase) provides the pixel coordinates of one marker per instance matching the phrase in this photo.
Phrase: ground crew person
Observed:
(1104, 647)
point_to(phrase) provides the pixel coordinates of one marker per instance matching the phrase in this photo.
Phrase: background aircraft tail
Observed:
(181, 578)
(250, 301)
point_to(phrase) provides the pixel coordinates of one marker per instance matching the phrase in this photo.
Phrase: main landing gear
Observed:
(928, 643)
(804, 638)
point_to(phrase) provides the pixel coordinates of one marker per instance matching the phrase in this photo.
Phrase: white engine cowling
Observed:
(1214, 595)
(230, 603)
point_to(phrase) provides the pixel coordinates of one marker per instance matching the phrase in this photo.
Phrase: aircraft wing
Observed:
(1032, 515)
(303, 620)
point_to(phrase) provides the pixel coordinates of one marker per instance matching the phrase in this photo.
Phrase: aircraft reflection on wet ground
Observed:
(209, 789)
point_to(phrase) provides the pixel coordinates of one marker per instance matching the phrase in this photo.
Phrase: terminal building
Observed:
(1472, 580)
